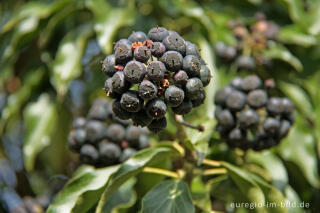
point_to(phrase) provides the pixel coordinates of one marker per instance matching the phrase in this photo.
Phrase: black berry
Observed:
(131, 102)
(172, 60)
(134, 71)
(156, 108)
(173, 96)
(147, 90)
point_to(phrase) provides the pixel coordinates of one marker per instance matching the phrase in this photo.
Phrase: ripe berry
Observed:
(119, 111)
(220, 48)
(99, 110)
(284, 129)
(133, 134)
(174, 96)
(236, 135)
(271, 125)
(248, 118)
(156, 71)
(158, 125)
(225, 119)
(257, 98)
(119, 83)
(95, 130)
(273, 106)
(236, 100)
(109, 89)
(109, 152)
(245, 62)
(127, 153)
(184, 108)
(115, 133)
(230, 53)
(205, 75)
(122, 41)
(158, 33)
(192, 49)
(251, 82)
(175, 42)
(147, 90)
(89, 154)
(287, 106)
(181, 78)
(122, 53)
(141, 118)
(143, 142)
(236, 83)
(200, 100)
(172, 60)
(157, 49)
(138, 36)
(134, 72)
(194, 88)
(221, 95)
(156, 108)
(79, 122)
(142, 54)
(131, 102)
(191, 65)
(108, 65)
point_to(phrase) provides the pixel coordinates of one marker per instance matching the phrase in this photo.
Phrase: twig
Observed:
(211, 162)
(180, 120)
(216, 171)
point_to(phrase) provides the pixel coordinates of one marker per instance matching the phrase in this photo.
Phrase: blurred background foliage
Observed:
(50, 53)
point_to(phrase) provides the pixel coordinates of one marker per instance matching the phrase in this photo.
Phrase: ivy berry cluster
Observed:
(248, 118)
(102, 139)
(149, 74)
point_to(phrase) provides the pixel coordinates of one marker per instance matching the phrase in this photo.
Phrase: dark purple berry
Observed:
(251, 82)
(248, 118)
(127, 153)
(257, 98)
(156, 71)
(271, 126)
(192, 49)
(184, 108)
(119, 111)
(158, 125)
(119, 83)
(236, 100)
(173, 96)
(194, 88)
(88, 154)
(100, 110)
(109, 153)
(141, 118)
(221, 95)
(172, 60)
(156, 108)
(181, 78)
(142, 54)
(134, 72)
(225, 119)
(175, 42)
(205, 75)
(274, 106)
(200, 100)
(131, 102)
(115, 133)
(147, 90)
(157, 49)
(191, 65)
(95, 131)
(108, 65)
(138, 36)
(79, 122)
(123, 53)
(245, 62)
(158, 33)
(236, 83)
(109, 88)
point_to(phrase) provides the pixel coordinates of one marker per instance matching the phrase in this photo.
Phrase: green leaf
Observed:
(295, 9)
(311, 19)
(40, 120)
(67, 64)
(124, 197)
(278, 51)
(131, 168)
(293, 197)
(108, 23)
(292, 34)
(87, 179)
(171, 196)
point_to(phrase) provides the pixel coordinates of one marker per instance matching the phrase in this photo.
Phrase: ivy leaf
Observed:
(40, 120)
(293, 34)
(171, 196)
(295, 9)
(131, 168)
(67, 64)
(278, 51)
(87, 179)
(108, 23)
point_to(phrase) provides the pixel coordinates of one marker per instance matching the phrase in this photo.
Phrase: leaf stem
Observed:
(179, 148)
(181, 121)
(211, 162)
(161, 172)
(216, 171)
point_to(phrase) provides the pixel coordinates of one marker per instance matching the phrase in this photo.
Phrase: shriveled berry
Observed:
(108, 65)
(200, 100)
(156, 71)
(109, 89)
(147, 90)
(194, 88)
(225, 119)
(134, 72)
(271, 125)
(95, 131)
(119, 111)
(141, 118)
(127, 153)
(158, 125)
(245, 62)
(109, 153)
(205, 75)
(174, 96)
(138, 36)
(79, 122)
(184, 108)
(142, 54)
(99, 110)
(175, 42)
(257, 98)
(191, 65)
(158, 33)
(221, 95)
(173, 60)
(88, 154)
(119, 83)
(115, 133)
(157, 49)
(131, 102)
(192, 49)
(181, 78)
(248, 118)
(123, 53)
(251, 82)
(236, 100)
(156, 108)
